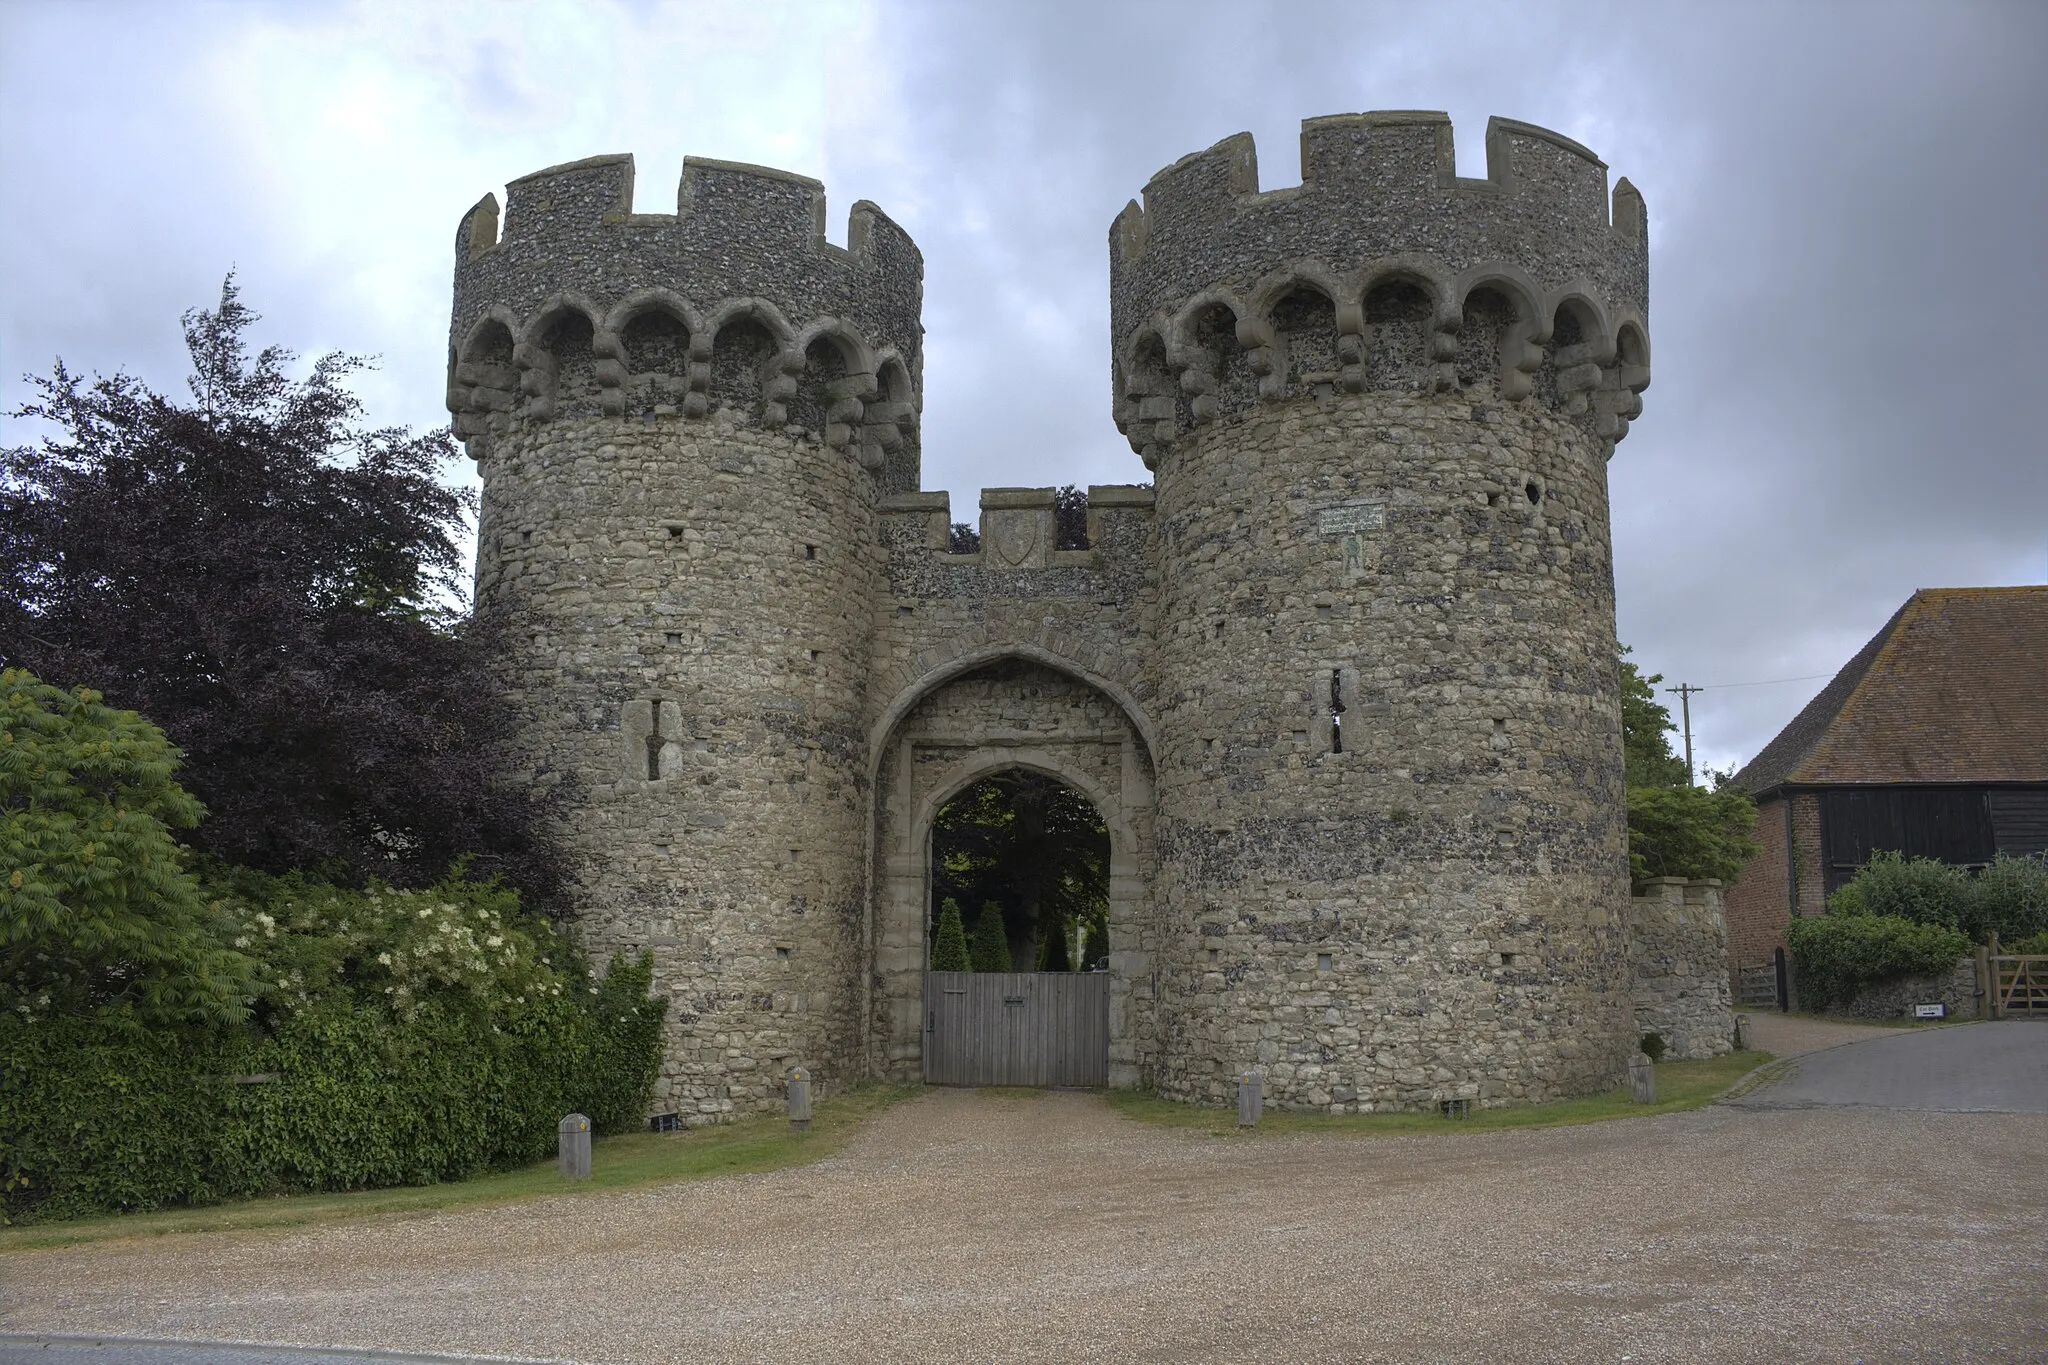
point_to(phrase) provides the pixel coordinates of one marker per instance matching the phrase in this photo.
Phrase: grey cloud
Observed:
(1846, 207)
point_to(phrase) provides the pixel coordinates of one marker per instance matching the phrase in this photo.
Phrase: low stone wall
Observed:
(1894, 999)
(1678, 960)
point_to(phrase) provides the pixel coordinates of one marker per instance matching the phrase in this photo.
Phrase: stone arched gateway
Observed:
(1344, 675)
(1009, 712)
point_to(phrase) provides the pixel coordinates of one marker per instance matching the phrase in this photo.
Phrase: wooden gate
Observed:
(1016, 1028)
(2019, 987)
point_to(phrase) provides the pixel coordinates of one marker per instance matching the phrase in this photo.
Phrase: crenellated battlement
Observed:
(1384, 268)
(716, 202)
(1016, 538)
(736, 300)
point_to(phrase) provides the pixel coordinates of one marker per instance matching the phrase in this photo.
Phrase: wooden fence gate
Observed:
(1016, 1028)
(2019, 987)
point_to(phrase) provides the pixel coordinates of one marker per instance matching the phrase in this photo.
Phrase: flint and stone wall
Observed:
(1678, 964)
(1380, 407)
(1957, 988)
(1342, 687)
(1435, 911)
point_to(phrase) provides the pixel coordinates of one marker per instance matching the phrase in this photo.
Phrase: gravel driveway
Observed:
(980, 1226)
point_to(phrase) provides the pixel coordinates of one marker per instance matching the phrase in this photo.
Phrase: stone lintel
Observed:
(1006, 498)
(1119, 495)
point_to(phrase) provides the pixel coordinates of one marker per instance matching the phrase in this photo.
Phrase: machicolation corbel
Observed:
(1384, 269)
(736, 302)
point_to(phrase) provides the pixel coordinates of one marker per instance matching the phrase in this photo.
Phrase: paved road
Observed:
(1988, 1068)
(75, 1350)
(1788, 1035)
(976, 1226)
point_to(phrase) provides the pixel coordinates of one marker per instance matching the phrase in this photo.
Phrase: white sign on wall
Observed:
(1349, 518)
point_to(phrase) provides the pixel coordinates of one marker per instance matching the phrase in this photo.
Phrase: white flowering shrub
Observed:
(399, 1037)
(463, 944)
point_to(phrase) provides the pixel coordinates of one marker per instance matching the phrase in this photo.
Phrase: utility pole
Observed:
(1685, 691)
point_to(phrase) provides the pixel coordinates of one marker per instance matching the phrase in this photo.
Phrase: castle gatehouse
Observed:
(1341, 682)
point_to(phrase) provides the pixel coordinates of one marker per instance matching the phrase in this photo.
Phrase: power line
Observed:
(1762, 682)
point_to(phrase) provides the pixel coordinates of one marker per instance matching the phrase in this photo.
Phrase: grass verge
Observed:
(1680, 1086)
(628, 1161)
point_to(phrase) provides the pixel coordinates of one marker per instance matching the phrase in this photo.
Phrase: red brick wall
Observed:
(1756, 904)
(1759, 904)
(1813, 886)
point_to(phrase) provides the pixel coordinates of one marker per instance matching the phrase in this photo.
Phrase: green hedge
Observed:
(2009, 897)
(98, 1115)
(1835, 955)
(381, 1036)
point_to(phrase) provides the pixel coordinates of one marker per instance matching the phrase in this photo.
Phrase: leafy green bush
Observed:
(97, 909)
(1689, 832)
(949, 943)
(396, 1037)
(169, 1037)
(1834, 955)
(989, 946)
(1918, 889)
(2009, 897)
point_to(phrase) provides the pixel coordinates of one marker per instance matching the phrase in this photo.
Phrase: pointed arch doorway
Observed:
(1017, 983)
(1012, 714)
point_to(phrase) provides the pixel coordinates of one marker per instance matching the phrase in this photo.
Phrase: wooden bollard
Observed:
(799, 1100)
(575, 1148)
(1250, 1100)
(1642, 1078)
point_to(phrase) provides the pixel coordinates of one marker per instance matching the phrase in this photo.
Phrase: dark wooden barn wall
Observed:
(1962, 825)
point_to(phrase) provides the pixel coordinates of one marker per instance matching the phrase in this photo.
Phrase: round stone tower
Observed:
(684, 424)
(1393, 864)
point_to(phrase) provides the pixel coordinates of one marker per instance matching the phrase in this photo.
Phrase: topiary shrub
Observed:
(949, 943)
(1835, 955)
(990, 946)
(1095, 946)
(1057, 956)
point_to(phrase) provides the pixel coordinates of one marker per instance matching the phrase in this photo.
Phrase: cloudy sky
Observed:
(1848, 204)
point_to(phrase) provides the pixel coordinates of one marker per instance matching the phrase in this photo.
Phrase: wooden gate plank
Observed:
(2019, 984)
(1017, 1028)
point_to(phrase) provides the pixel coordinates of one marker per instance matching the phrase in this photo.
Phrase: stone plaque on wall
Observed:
(1349, 518)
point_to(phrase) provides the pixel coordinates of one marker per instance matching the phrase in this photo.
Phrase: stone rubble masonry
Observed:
(1678, 963)
(1956, 988)
(1379, 408)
